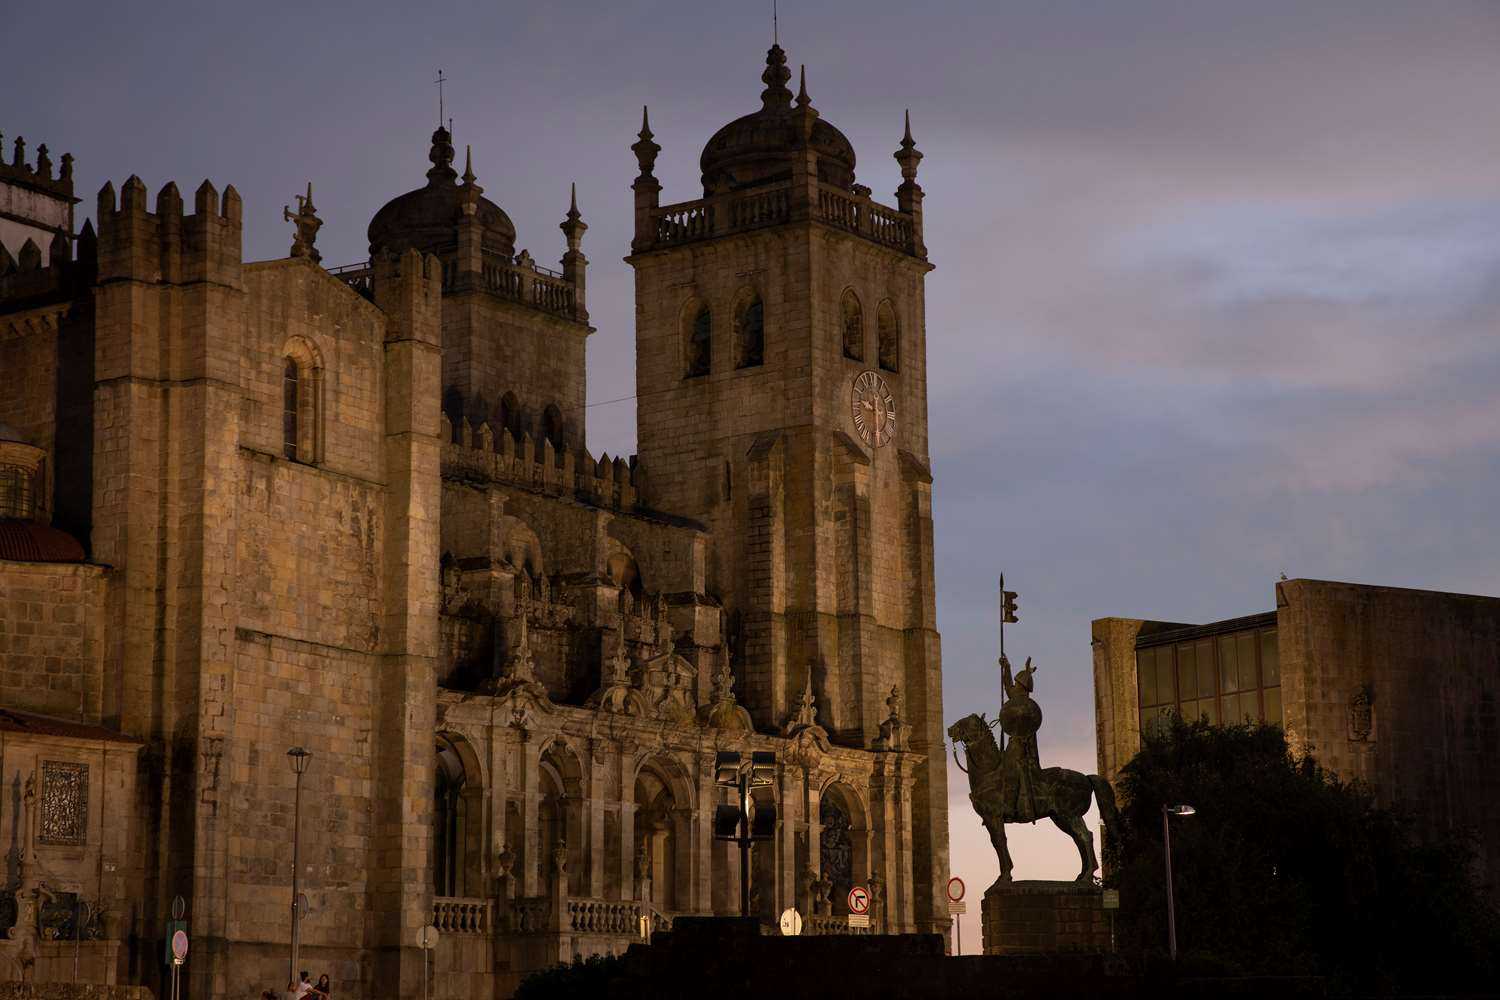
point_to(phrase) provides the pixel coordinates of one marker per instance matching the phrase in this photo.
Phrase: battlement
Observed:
(38, 176)
(29, 279)
(165, 245)
(477, 452)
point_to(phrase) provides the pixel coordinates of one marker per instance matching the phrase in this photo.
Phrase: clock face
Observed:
(874, 409)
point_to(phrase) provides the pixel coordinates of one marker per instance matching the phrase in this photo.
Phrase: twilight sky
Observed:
(1217, 283)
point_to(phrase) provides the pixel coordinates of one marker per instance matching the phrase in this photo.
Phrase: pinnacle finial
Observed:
(644, 148)
(573, 199)
(468, 164)
(802, 99)
(775, 96)
(645, 132)
(908, 155)
(906, 139)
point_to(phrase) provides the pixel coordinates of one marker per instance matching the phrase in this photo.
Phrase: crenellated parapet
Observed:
(32, 278)
(164, 245)
(474, 451)
(38, 175)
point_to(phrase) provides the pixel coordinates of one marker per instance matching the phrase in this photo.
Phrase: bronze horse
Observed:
(1060, 795)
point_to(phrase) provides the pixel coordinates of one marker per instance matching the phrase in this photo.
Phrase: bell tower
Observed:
(782, 401)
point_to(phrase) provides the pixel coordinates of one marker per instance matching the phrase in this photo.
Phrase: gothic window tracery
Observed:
(836, 847)
(853, 327)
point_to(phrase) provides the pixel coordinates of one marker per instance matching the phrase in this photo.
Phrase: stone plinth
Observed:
(1030, 918)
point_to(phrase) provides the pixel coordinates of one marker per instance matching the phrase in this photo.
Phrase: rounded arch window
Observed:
(301, 402)
(699, 345)
(853, 325)
(750, 333)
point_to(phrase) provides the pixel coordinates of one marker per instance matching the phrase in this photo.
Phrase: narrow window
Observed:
(510, 415)
(889, 335)
(752, 334)
(854, 328)
(699, 348)
(552, 428)
(289, 411)
(728, 481)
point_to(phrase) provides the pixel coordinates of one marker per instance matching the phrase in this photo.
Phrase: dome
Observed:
(757, 148)
(425, 218)
(32, 541)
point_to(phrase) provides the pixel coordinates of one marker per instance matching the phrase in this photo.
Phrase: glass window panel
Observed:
(1187, 674)
(1273, 705)
(1166, 680)
(1145, 669)
(1245, 651)
(1229, 677)
(1190, 711)
(1270, 659)
(1249, 710)
(1210, 708)
(1205, 658)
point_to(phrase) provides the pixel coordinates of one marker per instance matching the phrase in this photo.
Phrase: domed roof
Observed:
(425, 218)
(32, 541)
(757, 148)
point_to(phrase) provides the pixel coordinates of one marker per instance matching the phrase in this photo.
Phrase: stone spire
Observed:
(573, 226)
(909, 194)
(441, 156)
(469, 177)
(776, 97)
(908, 156)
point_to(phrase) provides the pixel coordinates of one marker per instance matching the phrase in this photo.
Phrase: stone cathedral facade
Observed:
(251, 505)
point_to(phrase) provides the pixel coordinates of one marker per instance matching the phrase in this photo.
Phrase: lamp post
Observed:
(734, 822)
(1167, 812)
(300, 758)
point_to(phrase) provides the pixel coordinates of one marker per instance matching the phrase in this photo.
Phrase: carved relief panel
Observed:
(64, 806)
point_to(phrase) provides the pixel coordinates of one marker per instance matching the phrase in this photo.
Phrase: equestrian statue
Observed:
(1007, 783)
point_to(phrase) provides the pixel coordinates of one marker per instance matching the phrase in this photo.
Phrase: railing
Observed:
(459, 915)
(529, 916)
(684, 222)
(582, 915)
(360, 277)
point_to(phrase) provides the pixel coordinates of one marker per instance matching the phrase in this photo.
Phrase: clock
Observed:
(874, 409)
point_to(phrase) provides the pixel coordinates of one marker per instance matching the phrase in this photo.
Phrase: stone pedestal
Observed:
(1030, 918)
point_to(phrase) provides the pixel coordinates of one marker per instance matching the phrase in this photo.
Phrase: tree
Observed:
(1286, 870)
(585, 979)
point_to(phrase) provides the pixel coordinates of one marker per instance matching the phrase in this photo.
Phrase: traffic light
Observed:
(1008, 606)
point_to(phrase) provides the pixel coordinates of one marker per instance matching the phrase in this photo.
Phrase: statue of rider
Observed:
(1020, 718)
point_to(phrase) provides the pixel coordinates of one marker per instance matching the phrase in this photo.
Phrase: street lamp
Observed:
(1167, 812)
(300, 758)
(734, 823)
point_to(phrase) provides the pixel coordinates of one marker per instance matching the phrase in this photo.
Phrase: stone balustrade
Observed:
(854, 211)
(828, 925)
(461, 915)
(527, 283)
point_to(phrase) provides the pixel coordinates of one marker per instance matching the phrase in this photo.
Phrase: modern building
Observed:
(1396, 688)
(256, 505)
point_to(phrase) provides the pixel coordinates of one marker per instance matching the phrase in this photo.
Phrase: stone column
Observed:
(594, 810)
(533, 851)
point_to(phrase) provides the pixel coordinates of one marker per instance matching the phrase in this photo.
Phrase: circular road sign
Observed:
(955, 888)
(179, 945)
(791, 922)
(859, 900)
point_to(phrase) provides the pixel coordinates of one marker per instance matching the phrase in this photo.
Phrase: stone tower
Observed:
(781, 376)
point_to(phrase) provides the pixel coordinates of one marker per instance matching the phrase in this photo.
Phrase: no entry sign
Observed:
(859, 900)
(955, 889)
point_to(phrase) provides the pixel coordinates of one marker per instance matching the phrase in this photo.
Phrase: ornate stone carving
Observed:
(894, 733)
(723, 712)
(616, 693)
(835, 847)
(809, 741)
(307, 222)
(65, 800)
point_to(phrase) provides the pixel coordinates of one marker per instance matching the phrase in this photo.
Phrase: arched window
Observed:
(699, 346)
(290, 413)
(508, 415)
(552, 427)
(854, 327)
(889, 335)
(750, 333)
(457, 824)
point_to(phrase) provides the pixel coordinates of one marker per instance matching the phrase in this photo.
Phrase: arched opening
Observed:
(750, 333)
(453, 409)
(508, 415)
(843, 843)
(853, 327)
(458, 820)
(552, 429)
(301, 402)
(888, 334)
(560, 814)
(290, 415)
(662, 834)
(699, 345)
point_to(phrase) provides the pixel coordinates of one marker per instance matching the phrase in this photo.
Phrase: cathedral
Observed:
(252, 507)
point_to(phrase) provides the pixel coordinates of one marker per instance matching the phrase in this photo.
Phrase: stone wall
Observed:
(51, 638)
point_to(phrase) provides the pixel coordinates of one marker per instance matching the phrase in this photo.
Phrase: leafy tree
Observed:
(586, 979)
(1286, 870)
